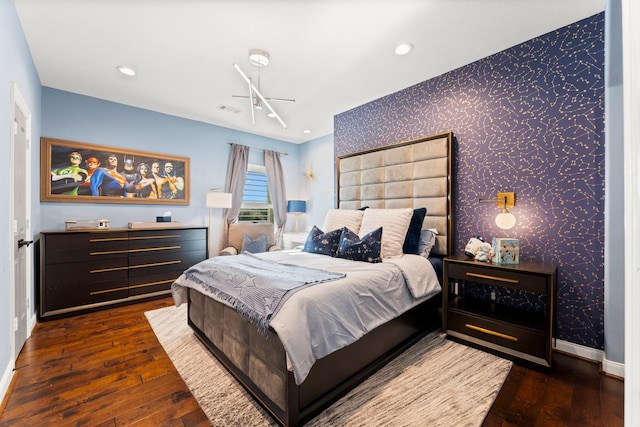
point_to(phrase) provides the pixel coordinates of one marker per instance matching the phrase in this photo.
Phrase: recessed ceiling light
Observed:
(306, 131)
(403, 48)
(126, 70)
(270, 114)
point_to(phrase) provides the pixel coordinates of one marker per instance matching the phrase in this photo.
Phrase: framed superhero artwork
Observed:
(80, 172)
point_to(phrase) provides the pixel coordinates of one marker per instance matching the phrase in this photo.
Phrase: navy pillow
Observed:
(254, 246)
(322, 243)
(412, 238)
(356, 249)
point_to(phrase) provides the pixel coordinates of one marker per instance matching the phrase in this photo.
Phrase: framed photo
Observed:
(79, 172)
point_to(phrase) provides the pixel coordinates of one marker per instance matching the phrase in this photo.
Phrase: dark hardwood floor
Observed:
(108, 369)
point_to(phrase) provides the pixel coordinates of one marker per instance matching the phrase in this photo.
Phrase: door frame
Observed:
(18, 101)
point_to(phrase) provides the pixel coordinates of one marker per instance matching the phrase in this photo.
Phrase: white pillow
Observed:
(338, 218)
(394, 223)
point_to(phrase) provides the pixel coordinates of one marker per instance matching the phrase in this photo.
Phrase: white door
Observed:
(21, 241)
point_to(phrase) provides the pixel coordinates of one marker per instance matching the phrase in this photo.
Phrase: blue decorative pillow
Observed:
(412, 238)
(254, 246)
(366, 249)
(322, 243)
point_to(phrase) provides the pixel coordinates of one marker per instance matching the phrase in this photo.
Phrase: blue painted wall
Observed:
(16, 66)
(529, 119)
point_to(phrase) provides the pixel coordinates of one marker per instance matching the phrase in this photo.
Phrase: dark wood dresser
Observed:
(81, 270)
(515, 331)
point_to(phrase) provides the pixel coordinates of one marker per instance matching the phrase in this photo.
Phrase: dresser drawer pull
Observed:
(144, 285)
(490, 332)
(108, 239)
(166, 236)
(499, 279)
(108, 252)
(162, 248)
(106, 291)
(102, 270)
(155, 264)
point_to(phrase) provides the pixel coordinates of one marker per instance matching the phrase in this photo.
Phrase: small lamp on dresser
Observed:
(216, 199)
(297, 207)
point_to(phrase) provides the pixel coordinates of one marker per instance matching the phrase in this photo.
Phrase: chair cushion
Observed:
(254, 246)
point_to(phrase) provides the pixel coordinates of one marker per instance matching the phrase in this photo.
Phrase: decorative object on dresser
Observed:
(493, 322)
(297, 207)
(216, 199)
(82, 270)
(505, 219)
(79, 172)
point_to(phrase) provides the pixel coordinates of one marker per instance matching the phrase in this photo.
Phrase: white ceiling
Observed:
(329, 55)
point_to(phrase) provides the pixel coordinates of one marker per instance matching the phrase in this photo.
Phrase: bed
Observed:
(403, 176)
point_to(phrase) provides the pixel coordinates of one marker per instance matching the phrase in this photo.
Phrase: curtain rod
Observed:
(260, 149)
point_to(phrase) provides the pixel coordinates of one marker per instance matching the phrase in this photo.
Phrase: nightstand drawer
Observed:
(505, 334)
(489, 275)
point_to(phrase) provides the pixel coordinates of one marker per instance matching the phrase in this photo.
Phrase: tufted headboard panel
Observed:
(411, 174)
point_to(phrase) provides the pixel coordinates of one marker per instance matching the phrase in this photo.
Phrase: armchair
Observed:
(253, 230)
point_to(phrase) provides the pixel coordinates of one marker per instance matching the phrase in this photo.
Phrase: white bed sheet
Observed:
(323, 318)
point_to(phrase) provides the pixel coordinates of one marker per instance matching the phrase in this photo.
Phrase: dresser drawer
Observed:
(487, 275)
(508, 335)
(87, 292)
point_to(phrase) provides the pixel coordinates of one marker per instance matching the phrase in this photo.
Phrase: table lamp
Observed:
(297, 207)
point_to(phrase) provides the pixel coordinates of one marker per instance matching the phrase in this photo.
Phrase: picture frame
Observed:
(79, 172)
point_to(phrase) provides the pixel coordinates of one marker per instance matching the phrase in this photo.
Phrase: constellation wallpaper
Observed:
(529, 119)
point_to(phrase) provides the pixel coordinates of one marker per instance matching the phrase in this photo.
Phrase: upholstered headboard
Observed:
(410, 174)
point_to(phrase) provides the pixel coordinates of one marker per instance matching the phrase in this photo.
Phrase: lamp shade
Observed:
(297, 206)
(218, 199)
(505, 220)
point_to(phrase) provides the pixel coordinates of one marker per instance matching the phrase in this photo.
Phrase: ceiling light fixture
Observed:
(126, 70)
(259, 58)
(403, 48)
(306, 131)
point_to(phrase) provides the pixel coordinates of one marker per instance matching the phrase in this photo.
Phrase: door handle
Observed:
(23, 242)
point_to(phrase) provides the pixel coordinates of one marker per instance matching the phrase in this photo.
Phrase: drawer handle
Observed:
(155, 264)
(102, 270)
(108, 252)
(162, 248)
(144, 285)
(490, 332)
(499, 279)
(106, 291)
(167, 236)
(109, 239)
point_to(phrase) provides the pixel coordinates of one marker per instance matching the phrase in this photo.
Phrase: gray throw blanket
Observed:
(254, 286)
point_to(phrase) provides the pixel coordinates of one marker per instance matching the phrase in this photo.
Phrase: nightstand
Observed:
(293, 240)
(514, 331)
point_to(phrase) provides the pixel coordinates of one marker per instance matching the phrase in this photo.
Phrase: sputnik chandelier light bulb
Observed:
(259, 58)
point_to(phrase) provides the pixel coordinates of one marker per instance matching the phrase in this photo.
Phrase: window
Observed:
(256, 203)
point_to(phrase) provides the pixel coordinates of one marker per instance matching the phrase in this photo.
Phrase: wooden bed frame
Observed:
(259, 364)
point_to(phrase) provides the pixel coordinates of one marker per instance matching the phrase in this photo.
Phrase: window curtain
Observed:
(275, 179)
(236, 177)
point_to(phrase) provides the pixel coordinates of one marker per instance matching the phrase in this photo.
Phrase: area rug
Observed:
(436, 382)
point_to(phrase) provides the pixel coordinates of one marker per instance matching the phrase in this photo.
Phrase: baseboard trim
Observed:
(5, 385)
(612, 368)
(607, 366)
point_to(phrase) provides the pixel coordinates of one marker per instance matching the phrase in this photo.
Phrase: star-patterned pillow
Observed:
(322, 243)
(365, 249)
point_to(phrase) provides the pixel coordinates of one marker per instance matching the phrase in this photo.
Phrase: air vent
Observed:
(229, 109)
